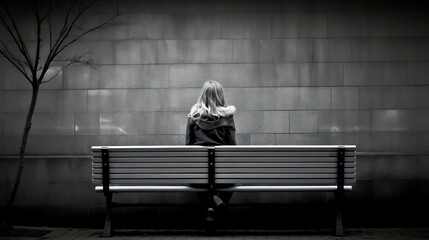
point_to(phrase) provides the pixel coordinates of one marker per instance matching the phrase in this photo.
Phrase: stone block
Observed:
(297, 50)
(156, 76)
(42, 124)
(81, 77)
(135, 52)
(285, 25)
(390, 120)
(321, 74)
(283, 139)
(1, 123)
(235, 6)
(358, 74)
(268, 5)
(331, 121)
(208, 26)
(13, 79)
(410, 23)
(387, 49)
(374, 142)
(408, 141)
(345, 98)
(87, 124)
(180, 51)
(84, 49)
(242, 139)
(145, 100)
(63, 101)
(332, 50)
(257, 25)
(2, 72)
(61, 144)
(393, 97)
(386, 192)
(186, 6)
(357, 120)
(245, 50)
(262, 139)
(244, 74)
(296, 5)
(304, 121)
(180, 99)
(277, 75)
(324, 139)
(176, 122)
(248, 121)
(313, 24)
(270, 50)
(15, 101)
(117, 28)
(186, 75)
(194, 75)
(122, 76)
(107, 100)
(348, 24)
(177, 26)
(252, 98)
(131, 123)
(145, 26)
(399, 120)
(137, 6)
(344, 121)
(101, 52)
(275, 122)
(233, 25)
(11, 144)
(303, 98)
(418, 73)
(48, 101)
(216, 51)
(393, 167)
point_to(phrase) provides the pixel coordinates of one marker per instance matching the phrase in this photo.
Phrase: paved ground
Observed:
(44, 233)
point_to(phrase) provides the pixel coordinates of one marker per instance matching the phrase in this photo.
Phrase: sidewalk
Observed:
(45, 233)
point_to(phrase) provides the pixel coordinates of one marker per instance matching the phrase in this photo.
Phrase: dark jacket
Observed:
(211, 131)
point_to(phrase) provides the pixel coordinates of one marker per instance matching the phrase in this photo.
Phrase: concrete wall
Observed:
(299, 72)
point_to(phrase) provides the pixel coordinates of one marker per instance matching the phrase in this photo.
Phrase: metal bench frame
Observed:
(108, 190)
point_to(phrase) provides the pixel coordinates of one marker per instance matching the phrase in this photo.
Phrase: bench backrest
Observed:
(292, 165)
(152, 165)
(285, 165)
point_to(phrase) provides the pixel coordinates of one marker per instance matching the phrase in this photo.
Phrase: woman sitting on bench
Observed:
(211, 123)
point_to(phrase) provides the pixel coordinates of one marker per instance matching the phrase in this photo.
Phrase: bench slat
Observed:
(153, 165)
(282, 159)
(152, 154)
(280, 154)
(219, 176)
(223, 170)
(149, 182)
(153, 159)
(225, 165)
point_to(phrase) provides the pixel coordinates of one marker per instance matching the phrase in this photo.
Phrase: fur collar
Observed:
(227, 111)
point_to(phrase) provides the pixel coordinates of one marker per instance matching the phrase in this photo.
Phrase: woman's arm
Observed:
(231, 133)
(190, 136)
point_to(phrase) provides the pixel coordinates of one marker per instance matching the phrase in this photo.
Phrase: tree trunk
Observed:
(9, 204)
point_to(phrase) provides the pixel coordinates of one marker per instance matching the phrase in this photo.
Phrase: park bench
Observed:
(274, 168)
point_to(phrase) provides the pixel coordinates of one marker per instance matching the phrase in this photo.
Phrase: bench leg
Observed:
(108, 228)
(338, 214)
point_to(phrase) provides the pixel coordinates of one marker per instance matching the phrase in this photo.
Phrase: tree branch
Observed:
(20, 42)
(70, 62)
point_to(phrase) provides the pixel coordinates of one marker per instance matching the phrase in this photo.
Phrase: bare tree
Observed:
(58, 24)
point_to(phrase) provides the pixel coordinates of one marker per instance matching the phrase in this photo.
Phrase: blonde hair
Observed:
(210, 102)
